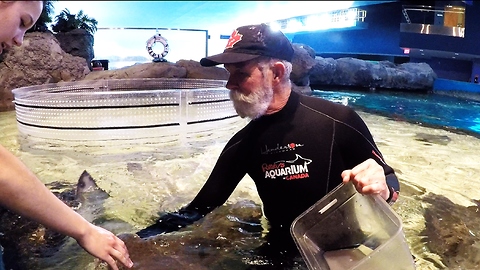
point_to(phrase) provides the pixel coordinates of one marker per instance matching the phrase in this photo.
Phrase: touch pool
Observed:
(438, 170)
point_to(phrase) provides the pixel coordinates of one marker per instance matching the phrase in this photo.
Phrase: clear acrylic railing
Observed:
(122, 108)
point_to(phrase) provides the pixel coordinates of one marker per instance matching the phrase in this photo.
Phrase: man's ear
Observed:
(278, 71)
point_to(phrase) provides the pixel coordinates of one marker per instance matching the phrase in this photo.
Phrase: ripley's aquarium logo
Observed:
(288, 170)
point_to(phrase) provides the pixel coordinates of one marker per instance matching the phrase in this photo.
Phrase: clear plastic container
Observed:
(348, 230)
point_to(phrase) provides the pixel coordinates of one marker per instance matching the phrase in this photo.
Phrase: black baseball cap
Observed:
(249, 42)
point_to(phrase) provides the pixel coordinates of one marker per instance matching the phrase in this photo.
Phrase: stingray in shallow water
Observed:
(452, 232)
(230, 237)
(433, 139)
(25, 241)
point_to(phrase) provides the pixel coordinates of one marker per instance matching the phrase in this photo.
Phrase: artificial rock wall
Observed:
(41, 60)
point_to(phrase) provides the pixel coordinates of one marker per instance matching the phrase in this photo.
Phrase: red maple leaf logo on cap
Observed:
(234, 38)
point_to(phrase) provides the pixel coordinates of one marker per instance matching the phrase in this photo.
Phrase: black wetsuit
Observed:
(295, 157)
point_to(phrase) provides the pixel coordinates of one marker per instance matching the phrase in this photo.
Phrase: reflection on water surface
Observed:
(438, 170)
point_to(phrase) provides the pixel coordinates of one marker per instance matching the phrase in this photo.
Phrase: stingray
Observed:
(26, 241)
(433, 139)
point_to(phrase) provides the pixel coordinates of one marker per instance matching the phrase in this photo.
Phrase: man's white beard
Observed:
(253, 105)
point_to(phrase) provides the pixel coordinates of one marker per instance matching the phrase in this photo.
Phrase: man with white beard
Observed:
(296, 148)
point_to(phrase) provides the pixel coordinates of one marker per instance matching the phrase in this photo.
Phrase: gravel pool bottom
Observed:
(438, 204)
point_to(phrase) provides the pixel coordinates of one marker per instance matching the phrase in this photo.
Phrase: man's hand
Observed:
(368, 177)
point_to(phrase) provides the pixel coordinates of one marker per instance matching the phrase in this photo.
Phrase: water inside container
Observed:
(346, 258)
(348, 230)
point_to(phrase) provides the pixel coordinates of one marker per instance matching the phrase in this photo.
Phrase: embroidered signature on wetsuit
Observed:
(280, 148)
(288, 170)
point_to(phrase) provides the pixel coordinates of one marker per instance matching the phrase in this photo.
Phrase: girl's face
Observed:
(16, 17)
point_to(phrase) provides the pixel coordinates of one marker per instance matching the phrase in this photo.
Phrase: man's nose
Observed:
(231, 85)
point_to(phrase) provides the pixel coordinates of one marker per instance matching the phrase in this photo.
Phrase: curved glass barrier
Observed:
(123, 108)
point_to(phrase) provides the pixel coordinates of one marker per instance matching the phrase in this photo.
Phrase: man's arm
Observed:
(222, 181)
(170, 222)
(369, 172)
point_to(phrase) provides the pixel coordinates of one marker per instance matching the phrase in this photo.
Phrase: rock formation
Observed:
(77, 42)
(42, 60)
(39, 60)
(182, 69)
(364, 74)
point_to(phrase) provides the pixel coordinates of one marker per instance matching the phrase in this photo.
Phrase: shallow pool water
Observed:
(423, 108)
(438, 170)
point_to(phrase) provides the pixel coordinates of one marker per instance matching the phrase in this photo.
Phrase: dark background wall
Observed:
(475, 70)
(470, 44)
(381, 39)
(448, 68)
